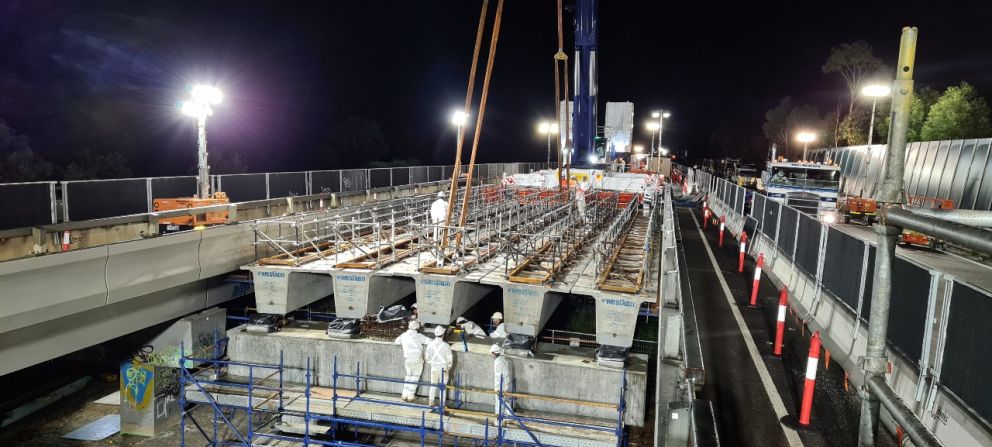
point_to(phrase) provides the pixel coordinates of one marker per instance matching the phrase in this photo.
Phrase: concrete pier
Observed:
(280, 290)
(358, 293)
(527, 308)
(443, 298)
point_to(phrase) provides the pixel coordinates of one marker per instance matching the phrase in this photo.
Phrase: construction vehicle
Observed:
(861, 209)
(909, 237)
(195, 220)
(809, 187)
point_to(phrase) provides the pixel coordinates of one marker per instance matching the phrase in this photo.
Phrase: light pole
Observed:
(198, 106)
(805, 137)
(548, 129)
(874, 91)
(660, 115)
(459, 118)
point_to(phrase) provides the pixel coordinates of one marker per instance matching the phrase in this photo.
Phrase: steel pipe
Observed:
(972, 238)
(914, 428)
(971, 218)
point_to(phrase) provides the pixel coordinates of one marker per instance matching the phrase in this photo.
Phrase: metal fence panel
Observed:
(808, 244)
(843, 276)
(976, 175)
(243, 187)
(27, 204)
(169, 187)
(354, 180)
(325, 181)
(937, 169)
(787, 231)
(286, 184)
(950, 170)
(418, 174)
(446, 172)
(750, 224)
(956, 192)
(966, 361)
(401, 176)
(95, 199)
(379, 178)
(984, 199)
(912, 162)
(435, 173)
(772, 209)
(739, 204)
(758, 207)
(923, 182)
(909, 307)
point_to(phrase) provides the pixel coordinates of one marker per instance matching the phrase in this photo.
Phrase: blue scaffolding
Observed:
(275, 396)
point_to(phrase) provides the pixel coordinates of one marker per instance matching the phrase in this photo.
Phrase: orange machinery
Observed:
(861, 208)
(909, 237)
(193, 220)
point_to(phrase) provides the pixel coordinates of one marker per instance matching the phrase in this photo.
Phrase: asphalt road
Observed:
(744, 410)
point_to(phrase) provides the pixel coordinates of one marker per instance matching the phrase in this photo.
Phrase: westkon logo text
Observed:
(435, 282)
(353, 278)
(619, 302)
(523, 291)
(272, 274)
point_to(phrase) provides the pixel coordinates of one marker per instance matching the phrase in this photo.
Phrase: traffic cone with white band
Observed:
(757, 279)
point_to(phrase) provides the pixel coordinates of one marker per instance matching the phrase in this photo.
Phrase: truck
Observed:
(811, 188)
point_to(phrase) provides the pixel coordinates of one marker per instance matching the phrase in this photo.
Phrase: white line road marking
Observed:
(766, 380)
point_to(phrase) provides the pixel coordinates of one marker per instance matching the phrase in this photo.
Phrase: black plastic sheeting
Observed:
(286, 184)
(243, 187)
(401, 176)
(843, 278)
(25, 205)
(770, 217)
(966, 354)
(392, 313)
(808, 244)
(106, 198)
(171, 187)
(329, 181)
(787, 233)
(379, 178)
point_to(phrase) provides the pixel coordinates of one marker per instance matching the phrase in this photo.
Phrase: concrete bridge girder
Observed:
(443, 298)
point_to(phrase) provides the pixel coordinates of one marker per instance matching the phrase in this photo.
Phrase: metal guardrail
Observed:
(65, 201)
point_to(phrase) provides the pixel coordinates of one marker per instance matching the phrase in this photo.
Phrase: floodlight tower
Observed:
(198, 106)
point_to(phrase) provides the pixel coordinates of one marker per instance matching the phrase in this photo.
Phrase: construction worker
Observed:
(580, 200)
(439, 211)
(502, 376)
(413, 359)
(439, 357)
(470, 328)
(497, 322)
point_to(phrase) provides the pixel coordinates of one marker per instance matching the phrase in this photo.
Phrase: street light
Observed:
(805, 137)
(638, 148)
(873, 91)
(660, 115)
(549, 129)
(459, 118)
(198, 106)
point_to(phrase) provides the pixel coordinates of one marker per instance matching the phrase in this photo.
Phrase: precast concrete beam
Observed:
(616, 318)
(443, 298)
(527, 308)
(280, 290)
(358, 293)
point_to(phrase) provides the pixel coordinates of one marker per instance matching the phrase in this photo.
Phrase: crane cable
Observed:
(456, 171)
(482, 113)
(561, 59)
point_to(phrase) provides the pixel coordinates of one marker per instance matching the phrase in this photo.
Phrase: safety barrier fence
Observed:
(44, 203)
(264, 396)
(958, 170)
(953, 358)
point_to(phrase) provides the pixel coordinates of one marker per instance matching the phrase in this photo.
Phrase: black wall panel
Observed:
(25, 205)
(354, 180)
(285, 184)
(758, 207)
(910, 293)
(966, 357)
(379, 178)
(325, 180)
(244, 187)
(446, 172)
(749, 225)
(808, 244)
(787, 234)
(435, 173)
(771, 218)
(842, 269)
(169, 187)
(106, 198)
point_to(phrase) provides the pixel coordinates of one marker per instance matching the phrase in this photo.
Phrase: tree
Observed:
(88, 165)
(804, 118)
(919, 107)
(855, 62)
(854, 128)
(18, 163)
(776, 126)
(958, 113)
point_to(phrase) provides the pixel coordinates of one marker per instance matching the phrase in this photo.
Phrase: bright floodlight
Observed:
(655, 114)
(459, 118)
(806, 137)
(206, 94)
(544, 128)
(553, 128)
(593, 159)
(195, 109)
(638, 148)
(653, 126)
(876, 90)
(666, 114)
(664, 151)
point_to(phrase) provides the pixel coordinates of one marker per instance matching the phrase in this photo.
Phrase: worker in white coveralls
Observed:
(580, 200)
(439, 358)
(500, 331)
(470, 328)
(439, 210)
(413, 359)
(502, 377)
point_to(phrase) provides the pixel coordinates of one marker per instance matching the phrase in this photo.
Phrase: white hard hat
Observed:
(495, 349)
(460, 320)
(498, 316)
(414, 325)
(440, 194)
(413, 306)
(439, 331)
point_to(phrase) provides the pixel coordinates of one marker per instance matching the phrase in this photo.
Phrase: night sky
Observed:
(105, 74)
